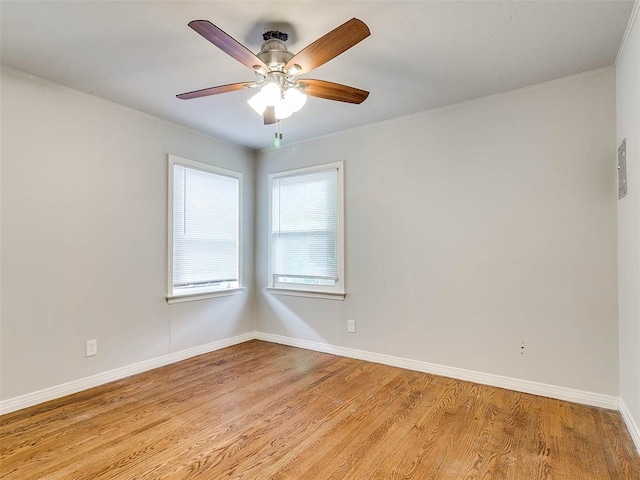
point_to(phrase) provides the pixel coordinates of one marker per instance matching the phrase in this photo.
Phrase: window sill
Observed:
(205, 295)
(307, 293)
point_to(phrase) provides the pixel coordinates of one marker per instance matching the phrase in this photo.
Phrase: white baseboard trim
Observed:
(553, 391)
(526, 386)
(632, 426)
(51, 393)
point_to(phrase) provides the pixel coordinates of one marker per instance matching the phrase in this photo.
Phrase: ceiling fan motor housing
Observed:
(274, 52)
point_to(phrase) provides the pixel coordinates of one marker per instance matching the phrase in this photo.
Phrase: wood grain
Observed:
(333, 91)
(265, 411)
(205, 92)
(329, 46)
(227, 44)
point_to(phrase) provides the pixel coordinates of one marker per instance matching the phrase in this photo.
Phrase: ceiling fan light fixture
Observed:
(283, 110)
(271, 94)
(258, 103)
(294, 99)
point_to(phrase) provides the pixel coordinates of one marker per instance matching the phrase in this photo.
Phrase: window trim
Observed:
(337, 292)
(171, 297)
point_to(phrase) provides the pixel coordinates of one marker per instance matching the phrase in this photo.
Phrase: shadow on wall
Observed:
(205, 321)
(291, 324)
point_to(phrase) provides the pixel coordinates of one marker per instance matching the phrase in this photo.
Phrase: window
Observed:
(306, 242)
(204, 230)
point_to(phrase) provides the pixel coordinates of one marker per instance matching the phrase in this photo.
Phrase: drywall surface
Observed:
(628, 113)
(84, 194)
(470, 230)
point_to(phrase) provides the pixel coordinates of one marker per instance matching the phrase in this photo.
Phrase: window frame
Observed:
(336, 292)
(171, 296)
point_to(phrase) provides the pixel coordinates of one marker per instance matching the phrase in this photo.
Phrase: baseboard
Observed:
(542, 389)
(552, 391)
(34, 398)
(632, 426)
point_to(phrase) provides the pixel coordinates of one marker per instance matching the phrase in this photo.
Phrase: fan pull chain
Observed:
(278, 134)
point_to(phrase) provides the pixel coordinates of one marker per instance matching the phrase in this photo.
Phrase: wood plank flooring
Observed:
(265, 411)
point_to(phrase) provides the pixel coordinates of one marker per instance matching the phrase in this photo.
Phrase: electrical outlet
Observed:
(522, 350)
(92, 348)
(351, 326)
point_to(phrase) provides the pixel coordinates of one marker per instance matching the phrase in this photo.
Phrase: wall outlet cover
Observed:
(92, 348)
(351, 326)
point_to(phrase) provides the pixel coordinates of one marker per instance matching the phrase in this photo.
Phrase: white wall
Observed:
(469, 230)
(503, 210)
(84, 193)
(628, 123)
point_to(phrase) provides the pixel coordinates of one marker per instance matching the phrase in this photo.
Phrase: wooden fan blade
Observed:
(333, 91)
(226, 43)
(269, 115)
(330, 45)
(205, 92)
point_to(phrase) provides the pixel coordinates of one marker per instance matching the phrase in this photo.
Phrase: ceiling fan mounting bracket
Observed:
(275, 34)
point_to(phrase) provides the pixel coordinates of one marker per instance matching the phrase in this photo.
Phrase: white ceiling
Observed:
(420, 55)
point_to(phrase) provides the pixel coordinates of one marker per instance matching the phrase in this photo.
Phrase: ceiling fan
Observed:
(277, 69)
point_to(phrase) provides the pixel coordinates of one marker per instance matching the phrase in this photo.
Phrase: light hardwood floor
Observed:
(265, 411)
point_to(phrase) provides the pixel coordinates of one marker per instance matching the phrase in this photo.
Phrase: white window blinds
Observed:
(205, 230)
(305, 228)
